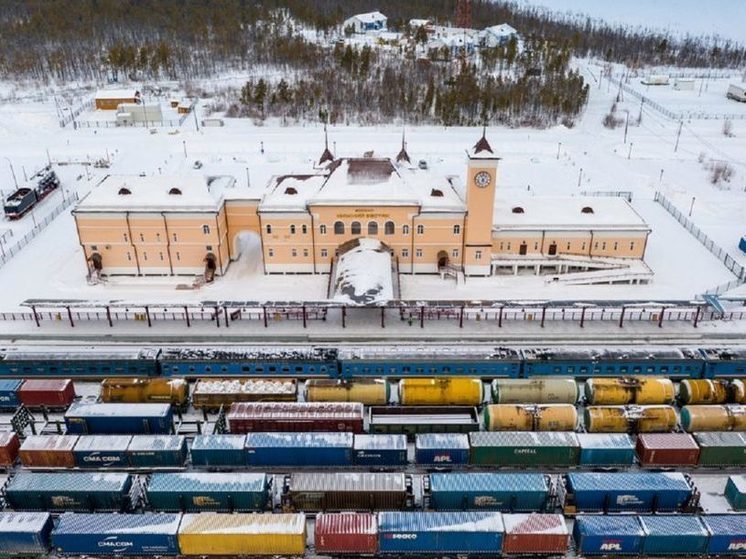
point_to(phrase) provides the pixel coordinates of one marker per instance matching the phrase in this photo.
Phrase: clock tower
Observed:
(481, 181)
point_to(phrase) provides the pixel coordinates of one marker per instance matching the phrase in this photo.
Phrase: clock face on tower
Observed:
(482, 179)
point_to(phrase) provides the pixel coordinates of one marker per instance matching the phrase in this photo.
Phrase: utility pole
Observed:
(12, 172)
(248, 180)
(691, 208)
(194, 112)
(678, 135)
(580, 176)
(626, 126)
(629, 155)
(185, 151)
(660, 179)
(559, 146)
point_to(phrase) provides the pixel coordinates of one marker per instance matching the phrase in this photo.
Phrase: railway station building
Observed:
(191, 224)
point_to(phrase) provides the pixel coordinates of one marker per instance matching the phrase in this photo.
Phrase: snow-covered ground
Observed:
(557, 161)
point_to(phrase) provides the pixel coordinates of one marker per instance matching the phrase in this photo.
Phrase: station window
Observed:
(502, 246)
(568, 246)
(372, 228)
(94, 247)
(603, 245)
(145, 256)
(158, 237)
(142, 238)
(322, 229)
(293, 253)
(206, 229)
(129, 257)
(160, 254)
(420, 229)
(457, 229)
(178, 256)
(405, 253)
(478, 255)
(454, 253)
(355, 228)
(304, 228)
(632, 245)
(270, 252)
(339, 228)
(418, 253)
(583, 247)
(305, 252)
(536, 246)
(269, 229)
(405, 229)
(126, 238)
(208, 247)
(175, 238)
(324, 253)
(388, 228)
(616, 246)
(292, 229)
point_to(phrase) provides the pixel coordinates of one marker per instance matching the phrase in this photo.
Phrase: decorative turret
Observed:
(326, 155)
(403, 155)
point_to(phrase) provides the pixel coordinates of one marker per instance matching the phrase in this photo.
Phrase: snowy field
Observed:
(557, 161)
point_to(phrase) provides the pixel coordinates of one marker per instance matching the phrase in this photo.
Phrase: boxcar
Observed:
(243, 361)
(397, 362)
(77, 362)
(410, 420)
(613, 362)
(724, 361)
(347, 491)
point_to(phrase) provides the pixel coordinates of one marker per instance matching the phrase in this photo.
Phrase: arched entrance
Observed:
(552, 249)
(97, 262)
(443, 259)
(211, 264)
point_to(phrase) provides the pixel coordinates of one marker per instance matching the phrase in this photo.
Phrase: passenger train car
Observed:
(371, 361)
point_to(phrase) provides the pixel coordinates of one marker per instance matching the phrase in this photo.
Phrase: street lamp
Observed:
(15, 181)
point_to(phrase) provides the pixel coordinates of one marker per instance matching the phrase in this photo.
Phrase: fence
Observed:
(8, 252)
(146, 124)
(720, 253)
(69, 116)
(626, 194)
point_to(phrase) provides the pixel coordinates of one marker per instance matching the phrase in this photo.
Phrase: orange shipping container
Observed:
(48, 451)
(9, 445)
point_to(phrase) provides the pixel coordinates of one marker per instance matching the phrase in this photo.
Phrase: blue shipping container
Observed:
(24, 533)
(130, 419)
(218, 451)
(380, 450)
(440, 532)
(198, 491)
(9, 393)
(117, 534)
(157, 451)
(608, 535)
(673, 535)
(102, 451)
(441, 449)
(507, 492)
(727, 534)
(299, 449)
(84, 491)
(638, 491)
(606, 449)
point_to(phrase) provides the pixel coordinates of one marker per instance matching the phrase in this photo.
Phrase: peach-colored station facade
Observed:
(183, 225)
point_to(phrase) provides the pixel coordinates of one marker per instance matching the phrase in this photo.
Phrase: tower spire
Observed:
(403, 155)
(483, 144)
(326, 155)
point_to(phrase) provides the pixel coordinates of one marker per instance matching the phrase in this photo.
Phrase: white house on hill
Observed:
(363, 23)
(497, 35)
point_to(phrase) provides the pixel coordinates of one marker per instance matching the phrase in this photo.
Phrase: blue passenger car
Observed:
(441, 449)
(637, 491)
(506, 492)
(724, 361)
(393, 361)
(584, 362)
(299, 449)
(674, 535)
(255, 361)
(78, 362)
(24, 533)
(415, 533)
(608, 535)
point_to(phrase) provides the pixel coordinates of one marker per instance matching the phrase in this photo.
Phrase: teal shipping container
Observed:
(735, 492)
(506, 492)
(606, 449)
(69, 491)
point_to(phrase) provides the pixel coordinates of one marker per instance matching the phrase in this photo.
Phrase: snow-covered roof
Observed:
(565, 213)
(291, 192)
(186, 193)
(502, 30)
(363, 274)
(117, 93)
(416, 23)
(369, 17)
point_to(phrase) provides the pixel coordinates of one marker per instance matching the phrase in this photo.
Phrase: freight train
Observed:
(433, 451)
(384, 534)
(372, 361)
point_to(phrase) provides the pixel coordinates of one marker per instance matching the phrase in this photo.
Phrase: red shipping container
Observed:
(48, 451)
(535, 533)
(667, 449)
(50, 393)
(9, 445)
(346, 532)
(247, 417)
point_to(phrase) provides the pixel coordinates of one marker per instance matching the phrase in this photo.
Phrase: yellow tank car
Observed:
(441, 391)
(370, 392)
(629, 390)
(530, 417)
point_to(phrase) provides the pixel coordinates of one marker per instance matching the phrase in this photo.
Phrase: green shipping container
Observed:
(207, 491)
(69, 491)
(735, 492)
(511, 448)
(721, 448)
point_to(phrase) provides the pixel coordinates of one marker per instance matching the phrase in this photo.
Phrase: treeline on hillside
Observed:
(537, 88)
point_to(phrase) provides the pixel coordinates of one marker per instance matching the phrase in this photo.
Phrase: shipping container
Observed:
(508, 448)
(48, 451)
(530, 417)
(157, 451)
(667, 449)
(636, 419)
(673, 535)
(623, 491)
(212, 533)
(299, 449)
(9, 393)
(606, 449)
(145, 391)
(411, 420)
(129, 419)
(207, 491)
(435, 533)
(82, 491)
(9, 445)
(116, 534)
(346, 533)
(47, 393)
(608, 535)
(369, 392)
(218, 451)
(441, 449)
(727, 534)
(441, 391)
(24, 533)
(535, 391)
(629, 390)
(102, 451)
(294, 416)
(721, 449)
(735, 492)
(213, 393)
(380, 450)
(713, 418)
(347, 491)
(507, 492)
(535, 534)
